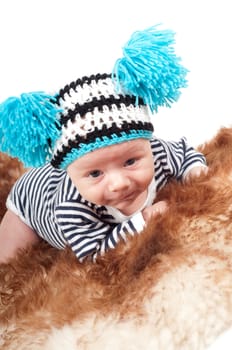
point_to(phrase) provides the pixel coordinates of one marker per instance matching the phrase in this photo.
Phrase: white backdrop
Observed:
(48, 43)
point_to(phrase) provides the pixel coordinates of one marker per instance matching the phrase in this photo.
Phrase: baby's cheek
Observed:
(97, 196)
(146, 178)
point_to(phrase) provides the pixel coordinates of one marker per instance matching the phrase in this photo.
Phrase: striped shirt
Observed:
(46, 199)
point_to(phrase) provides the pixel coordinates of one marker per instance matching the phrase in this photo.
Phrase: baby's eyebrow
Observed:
(134, 151)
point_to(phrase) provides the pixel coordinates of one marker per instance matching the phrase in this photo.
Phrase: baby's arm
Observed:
(162, 206)
(194, 162)
(14, 235)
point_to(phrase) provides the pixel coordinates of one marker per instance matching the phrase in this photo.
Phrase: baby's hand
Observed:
(154, 210)
(195, 172)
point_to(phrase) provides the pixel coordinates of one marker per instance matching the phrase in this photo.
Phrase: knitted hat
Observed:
(95, 111)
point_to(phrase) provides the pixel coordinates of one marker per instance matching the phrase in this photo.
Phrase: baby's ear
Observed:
(29, 127)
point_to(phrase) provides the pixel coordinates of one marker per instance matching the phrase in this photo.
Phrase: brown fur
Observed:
(10, 170)
(43, 288)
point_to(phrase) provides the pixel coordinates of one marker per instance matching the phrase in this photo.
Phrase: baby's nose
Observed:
(118, 182)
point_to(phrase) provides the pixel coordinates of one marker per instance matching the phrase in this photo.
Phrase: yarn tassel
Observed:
(150, 69)
(29, 127)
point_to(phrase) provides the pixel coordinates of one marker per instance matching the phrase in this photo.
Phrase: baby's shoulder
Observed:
(42, 180)
(43, 175)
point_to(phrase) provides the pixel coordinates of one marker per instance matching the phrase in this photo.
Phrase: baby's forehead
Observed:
(121, 148)
(113, 153)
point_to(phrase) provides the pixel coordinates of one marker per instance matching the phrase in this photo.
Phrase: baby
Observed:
(96, 164)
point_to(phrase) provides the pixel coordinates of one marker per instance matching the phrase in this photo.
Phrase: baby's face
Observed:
(116, 176)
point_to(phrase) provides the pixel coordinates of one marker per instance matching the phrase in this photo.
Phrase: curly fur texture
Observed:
(10, 170)
(169, 287)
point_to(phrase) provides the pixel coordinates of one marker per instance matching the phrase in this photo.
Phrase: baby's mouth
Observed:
(128, 196)
(124, 198)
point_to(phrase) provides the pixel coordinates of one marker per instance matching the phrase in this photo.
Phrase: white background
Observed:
(48, 43)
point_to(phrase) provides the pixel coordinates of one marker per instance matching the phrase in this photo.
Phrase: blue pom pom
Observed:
(150, 69)
(29, 127)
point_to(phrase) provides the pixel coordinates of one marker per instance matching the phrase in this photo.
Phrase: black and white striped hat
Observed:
(95, 116)
(96, 111)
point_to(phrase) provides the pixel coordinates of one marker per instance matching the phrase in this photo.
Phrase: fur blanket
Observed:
(10, 170)
(168, 288)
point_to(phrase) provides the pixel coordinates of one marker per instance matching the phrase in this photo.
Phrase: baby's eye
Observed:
(130, 161)
(95, 173)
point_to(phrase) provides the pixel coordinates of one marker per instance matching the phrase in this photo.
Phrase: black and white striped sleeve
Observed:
(87, 235)
(177, 158)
